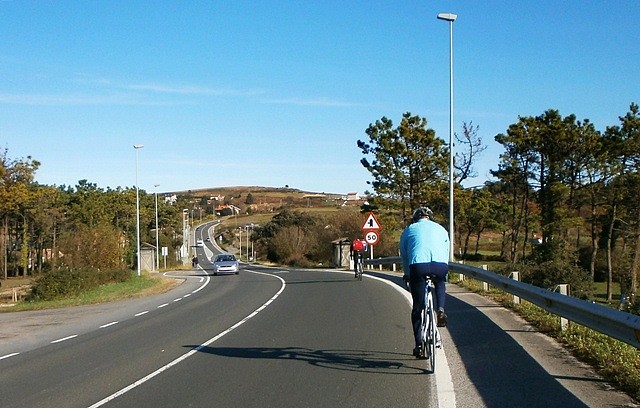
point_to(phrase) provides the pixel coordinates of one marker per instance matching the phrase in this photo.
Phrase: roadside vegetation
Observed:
(134, 286)
(561, 208)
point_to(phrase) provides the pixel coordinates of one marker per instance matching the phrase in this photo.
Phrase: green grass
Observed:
(601, 293)
(137, 286)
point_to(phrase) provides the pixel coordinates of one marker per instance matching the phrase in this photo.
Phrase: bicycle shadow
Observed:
(366, 361)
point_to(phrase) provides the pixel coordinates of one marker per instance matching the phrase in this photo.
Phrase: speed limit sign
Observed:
(371, 237)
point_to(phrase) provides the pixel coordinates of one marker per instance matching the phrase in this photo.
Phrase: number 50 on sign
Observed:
(371, 237)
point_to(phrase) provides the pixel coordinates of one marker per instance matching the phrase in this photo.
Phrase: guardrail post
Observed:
(14, 297)
(563, 289)
(515, 276)
(485, 285)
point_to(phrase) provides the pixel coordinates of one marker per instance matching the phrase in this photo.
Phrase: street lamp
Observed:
(137, 147)
(450, 18)
(157, 239)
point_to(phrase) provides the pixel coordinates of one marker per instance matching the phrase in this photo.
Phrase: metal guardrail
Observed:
(614, 323)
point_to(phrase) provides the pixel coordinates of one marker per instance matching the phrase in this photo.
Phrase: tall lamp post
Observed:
(137, 147)
(450, 18)
(157, 239)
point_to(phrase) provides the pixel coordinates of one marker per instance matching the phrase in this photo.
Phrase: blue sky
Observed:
(275, 93)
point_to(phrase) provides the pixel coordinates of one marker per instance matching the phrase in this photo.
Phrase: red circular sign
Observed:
(371, 237)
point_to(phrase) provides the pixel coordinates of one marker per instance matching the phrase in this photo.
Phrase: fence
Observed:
(614, 323)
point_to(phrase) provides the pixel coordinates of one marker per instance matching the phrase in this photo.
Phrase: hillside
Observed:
(257, 199)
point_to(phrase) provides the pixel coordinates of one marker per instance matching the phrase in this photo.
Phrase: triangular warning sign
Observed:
(371, 223)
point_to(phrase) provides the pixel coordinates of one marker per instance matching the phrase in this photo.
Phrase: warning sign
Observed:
(371, 223)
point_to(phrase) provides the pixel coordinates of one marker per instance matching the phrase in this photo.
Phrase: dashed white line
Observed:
(8, 355)
(206, 282)
(64, 339)
(190, 353)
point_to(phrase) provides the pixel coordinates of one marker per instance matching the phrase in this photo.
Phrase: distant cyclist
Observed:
(424, 249)
(358, 249)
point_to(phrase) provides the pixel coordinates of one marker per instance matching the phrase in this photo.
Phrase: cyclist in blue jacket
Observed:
(424, 249)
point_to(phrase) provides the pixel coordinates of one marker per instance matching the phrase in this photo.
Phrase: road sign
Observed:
(371, 223)
(371, 237)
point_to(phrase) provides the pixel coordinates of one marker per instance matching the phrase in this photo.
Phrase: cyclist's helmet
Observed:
(422, 212)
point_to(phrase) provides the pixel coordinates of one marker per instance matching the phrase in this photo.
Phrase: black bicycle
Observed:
(429, 326)
(358, 266)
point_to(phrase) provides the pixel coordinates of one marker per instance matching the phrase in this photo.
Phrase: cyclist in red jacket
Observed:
(358, 248)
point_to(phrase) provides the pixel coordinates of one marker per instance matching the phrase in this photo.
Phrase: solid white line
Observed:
(8, 355)
(141, 313)
(206, 282)
(64, 339)
(444, 382)
(192, 352)
(108, 324)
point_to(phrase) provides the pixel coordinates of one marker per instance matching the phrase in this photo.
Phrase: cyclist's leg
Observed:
(439, 274)
(417, 285)
(354, 256)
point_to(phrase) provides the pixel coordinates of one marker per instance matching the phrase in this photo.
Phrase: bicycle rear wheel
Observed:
(360, 270)
(430, 343)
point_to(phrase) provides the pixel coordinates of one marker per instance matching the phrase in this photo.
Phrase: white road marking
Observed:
(8, 355)
(444, 382)
(64, 339)
(201, 279)
(192, 352)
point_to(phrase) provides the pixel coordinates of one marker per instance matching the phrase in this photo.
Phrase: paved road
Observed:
(282, 337)
(322, 340)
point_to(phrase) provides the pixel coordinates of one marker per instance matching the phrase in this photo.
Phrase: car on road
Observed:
(225, 263)
(199, 243)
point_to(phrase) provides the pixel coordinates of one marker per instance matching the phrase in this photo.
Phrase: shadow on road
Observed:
(378, 362)
(500, 369)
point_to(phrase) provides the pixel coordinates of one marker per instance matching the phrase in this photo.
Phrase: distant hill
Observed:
(272, 193)
(261, 199)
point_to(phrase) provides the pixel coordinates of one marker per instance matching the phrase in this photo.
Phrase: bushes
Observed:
(551, 273)
(67, 282)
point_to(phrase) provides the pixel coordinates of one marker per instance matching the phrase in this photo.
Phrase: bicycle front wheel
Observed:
(430, 351)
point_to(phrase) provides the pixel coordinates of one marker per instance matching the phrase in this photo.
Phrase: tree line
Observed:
(564, 201)
(563, 205)
(46, 227)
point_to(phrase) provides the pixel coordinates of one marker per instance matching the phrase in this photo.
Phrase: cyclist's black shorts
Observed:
(437, 270)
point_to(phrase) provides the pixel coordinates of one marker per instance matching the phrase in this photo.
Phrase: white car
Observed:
(225, 263)
(199, 243)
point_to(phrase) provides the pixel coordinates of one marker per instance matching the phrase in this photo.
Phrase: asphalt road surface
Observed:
(273, 337)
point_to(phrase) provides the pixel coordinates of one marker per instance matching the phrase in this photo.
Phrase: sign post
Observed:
(371, 227)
